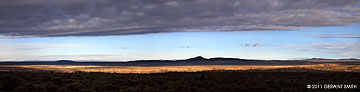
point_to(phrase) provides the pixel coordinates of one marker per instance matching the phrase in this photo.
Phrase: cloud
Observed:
(52, 18)
(257, 44)
(251, 45)
(185, 47)
(35, 51)
(33, 46)
(338, 49)
(30, 51)
(79, 55)
(336, 36)
(172, 3)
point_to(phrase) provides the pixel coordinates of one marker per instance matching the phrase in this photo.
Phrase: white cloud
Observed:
(82, 57)
(337, 36)
(327, 46)
(34, 51)
(33, 46)
(172, 3)
(345, 49)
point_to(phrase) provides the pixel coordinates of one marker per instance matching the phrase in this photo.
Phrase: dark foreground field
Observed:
(209, 81)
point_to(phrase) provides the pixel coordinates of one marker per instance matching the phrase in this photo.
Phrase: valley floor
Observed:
(163, 69)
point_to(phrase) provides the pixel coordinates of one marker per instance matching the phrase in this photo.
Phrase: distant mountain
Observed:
(65, 61)
(319, 59)
(350, 59)
(199, 60)
(333, 59)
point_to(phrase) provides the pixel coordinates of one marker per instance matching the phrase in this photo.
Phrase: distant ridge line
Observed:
(194, 61)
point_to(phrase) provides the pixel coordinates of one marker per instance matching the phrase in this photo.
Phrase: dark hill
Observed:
(65, 61)
(198, 58)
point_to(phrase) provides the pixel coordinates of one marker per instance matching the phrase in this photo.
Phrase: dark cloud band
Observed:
(47, 18)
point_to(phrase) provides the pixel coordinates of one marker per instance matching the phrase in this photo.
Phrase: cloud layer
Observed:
(348, 49)
(48, 18)
(33, 46)
(336, 36)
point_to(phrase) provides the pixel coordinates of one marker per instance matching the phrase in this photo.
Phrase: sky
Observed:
(124, 30)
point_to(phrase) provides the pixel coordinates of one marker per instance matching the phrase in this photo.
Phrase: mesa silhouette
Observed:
(199, 60)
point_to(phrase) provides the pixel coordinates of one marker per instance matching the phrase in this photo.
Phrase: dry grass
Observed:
(162, 69)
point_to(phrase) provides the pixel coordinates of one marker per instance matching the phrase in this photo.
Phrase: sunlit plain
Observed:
(163, 69)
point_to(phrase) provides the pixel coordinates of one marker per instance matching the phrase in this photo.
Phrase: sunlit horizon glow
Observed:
(126, 30)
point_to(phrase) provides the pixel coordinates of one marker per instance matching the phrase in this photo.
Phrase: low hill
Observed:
(65, 61)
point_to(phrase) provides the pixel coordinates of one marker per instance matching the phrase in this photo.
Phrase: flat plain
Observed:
(163, 69)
